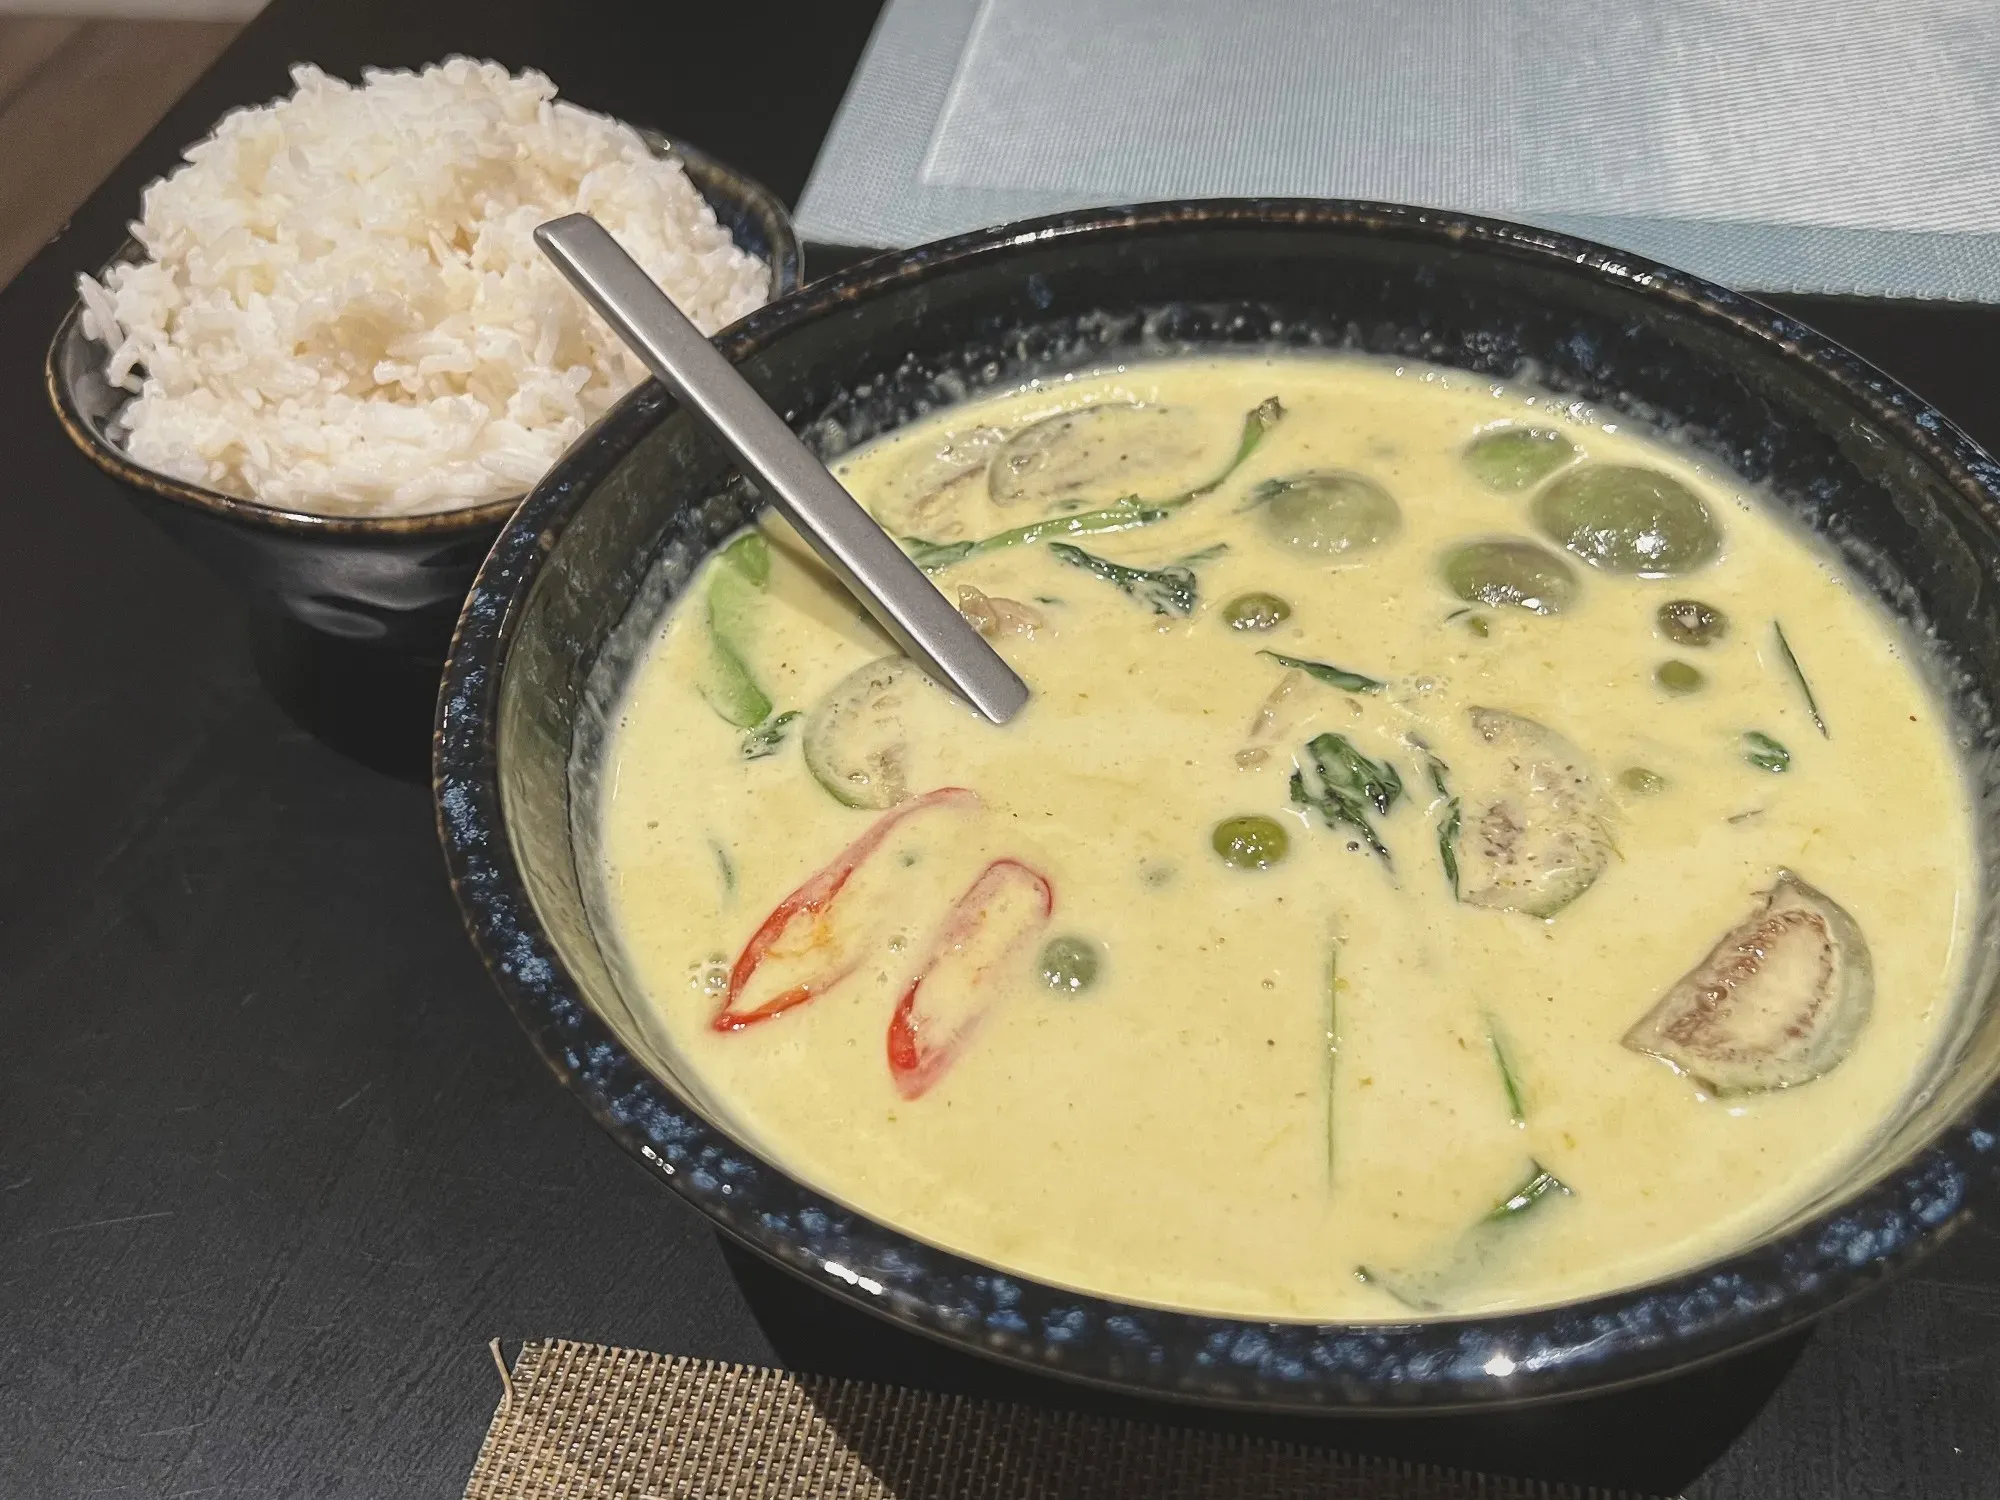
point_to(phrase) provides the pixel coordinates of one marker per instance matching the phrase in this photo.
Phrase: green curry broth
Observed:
(1182, 1133)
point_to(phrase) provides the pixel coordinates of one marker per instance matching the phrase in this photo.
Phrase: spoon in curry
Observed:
(861, 554)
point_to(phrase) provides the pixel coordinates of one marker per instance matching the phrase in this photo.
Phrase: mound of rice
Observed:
(344, 311)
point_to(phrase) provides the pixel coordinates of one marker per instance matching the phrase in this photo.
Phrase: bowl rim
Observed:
(1608, 1341)
(713, 179)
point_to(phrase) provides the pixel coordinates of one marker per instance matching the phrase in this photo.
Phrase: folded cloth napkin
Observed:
(583, 1422)
(1848, 146)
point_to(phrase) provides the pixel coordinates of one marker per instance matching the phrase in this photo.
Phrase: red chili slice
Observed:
(923, 1043)
(812, 903)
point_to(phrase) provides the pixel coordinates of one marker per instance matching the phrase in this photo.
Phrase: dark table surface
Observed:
(274, 1161)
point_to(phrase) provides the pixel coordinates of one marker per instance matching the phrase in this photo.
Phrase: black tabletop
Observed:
(274, 1161)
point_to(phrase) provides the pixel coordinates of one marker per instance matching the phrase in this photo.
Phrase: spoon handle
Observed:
(876, 571)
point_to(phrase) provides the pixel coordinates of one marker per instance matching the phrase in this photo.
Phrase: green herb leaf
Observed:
(1799, 676)
(1166, 591)
(1535, 1189)
(1431, 1284)
(1399, 1288)
(1120, 515)
(768, 737)
(722, 864)
(1516, 1110)
(1450, 823)
(1332, 1048)
(1326, 672)
(1341, 784)
(1765, 753)
(1259, 420)
(1539, 1183)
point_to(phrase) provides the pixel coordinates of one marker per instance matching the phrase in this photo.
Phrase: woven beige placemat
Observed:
(585, 1422)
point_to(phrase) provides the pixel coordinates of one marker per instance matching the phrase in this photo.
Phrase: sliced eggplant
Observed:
(1084, 455)
(856, 742)
(922, 494)
(1778, 1002)
(1534, 834)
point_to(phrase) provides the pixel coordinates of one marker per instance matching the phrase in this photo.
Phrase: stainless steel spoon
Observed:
(862, 555)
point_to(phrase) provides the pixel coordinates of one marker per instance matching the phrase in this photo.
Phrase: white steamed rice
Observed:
(344, 311)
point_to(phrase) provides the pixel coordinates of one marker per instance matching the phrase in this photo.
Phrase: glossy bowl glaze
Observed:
(388, 582)
(576, 583)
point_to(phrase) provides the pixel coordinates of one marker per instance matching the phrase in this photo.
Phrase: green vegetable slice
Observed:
(1326, 672)
(1777, 1002)
(856, 743)
(1509, 573)
(736, 584)
(1329, 513)
(1626, 519)
(1517, 458)
(1536, 831)
(1073, 453)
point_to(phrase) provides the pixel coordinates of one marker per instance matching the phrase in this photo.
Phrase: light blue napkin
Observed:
(1776, 145)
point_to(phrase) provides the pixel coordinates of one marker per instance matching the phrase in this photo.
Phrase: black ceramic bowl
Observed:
(618, 526)
(388, 582)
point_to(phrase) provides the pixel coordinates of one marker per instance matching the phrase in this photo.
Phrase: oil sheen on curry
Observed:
(1460, 853)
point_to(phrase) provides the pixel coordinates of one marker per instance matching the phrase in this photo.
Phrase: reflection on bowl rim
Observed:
(1817, 1261)
(715, 180)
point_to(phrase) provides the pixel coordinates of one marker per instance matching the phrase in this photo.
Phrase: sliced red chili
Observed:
(813, 903)
(999, 914)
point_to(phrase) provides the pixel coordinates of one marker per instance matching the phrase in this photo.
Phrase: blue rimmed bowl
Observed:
(387, 584)
(580, 576)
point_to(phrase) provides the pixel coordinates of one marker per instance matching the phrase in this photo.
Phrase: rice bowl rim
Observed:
(720, 185)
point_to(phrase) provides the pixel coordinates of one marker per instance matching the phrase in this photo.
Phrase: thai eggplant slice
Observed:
(856, 743)
(1778, 1002)
(929, 486)
(1533, 835)
(1084, 455)
(1328, 513)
